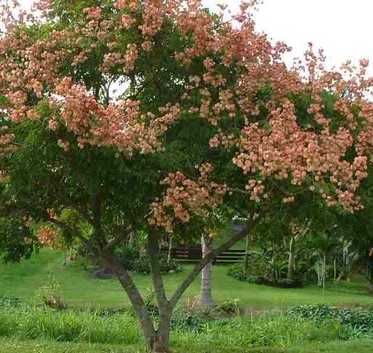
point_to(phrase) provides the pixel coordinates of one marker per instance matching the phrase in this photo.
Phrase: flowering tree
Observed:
(152, 115)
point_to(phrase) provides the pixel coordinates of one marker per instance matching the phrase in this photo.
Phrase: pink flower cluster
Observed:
(185, 197)
(285, 151)
(120, 124)
(6, 141)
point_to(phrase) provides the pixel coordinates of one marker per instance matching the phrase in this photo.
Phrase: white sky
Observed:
(344, 28)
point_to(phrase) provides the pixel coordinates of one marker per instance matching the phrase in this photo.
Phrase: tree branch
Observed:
(65, 226)
(110, 244)
(132, 291)
(240, 232)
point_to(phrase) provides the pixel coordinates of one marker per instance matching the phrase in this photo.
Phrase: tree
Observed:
(207, 118)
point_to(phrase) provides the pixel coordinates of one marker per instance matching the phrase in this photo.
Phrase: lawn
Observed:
(78, 288)
(16, 346)
(38, 332)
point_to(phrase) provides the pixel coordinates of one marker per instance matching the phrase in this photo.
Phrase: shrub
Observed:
(189, 321)
(51, 296)
(230, 307)
(237, 271)
(131, 258)
(358, 319)
(9, 301)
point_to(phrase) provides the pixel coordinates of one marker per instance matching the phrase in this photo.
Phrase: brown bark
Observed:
(161, 338)
(134, 296)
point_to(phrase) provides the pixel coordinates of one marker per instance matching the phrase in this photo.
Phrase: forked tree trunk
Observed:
(157, 338)
(206, 274)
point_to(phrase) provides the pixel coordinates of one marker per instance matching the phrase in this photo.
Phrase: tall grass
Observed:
(275, 331)
(68, 326)
(122, 329)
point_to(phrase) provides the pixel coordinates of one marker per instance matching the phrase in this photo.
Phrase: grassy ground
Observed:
(78, 288)
(15, 346)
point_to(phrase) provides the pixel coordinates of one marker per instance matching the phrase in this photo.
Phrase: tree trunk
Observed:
(206, 275)
(160, 344)
(161, 339)
(291, 259)
(134, 296)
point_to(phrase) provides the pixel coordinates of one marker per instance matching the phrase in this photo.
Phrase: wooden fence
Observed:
(194, 254)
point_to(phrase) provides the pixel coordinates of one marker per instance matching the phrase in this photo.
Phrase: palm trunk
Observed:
(291, 259)
(206, 275)
(169, 253)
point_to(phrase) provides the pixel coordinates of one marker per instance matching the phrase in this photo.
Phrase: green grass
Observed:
(33, 329)
(78, 288)
(90, 327)
(16, 346)
(40, 331)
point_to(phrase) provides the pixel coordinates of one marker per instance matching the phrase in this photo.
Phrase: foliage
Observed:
(133, 260)
(51, 296)
(359, 319)
(16, 240)
(237, 271)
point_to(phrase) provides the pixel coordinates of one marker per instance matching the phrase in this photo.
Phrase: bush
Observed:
(230, 307)
(134, 261)
(237, 271)
(189, 321)
(9, 301)
(358, 319)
